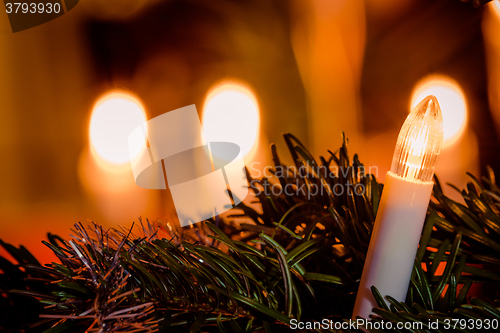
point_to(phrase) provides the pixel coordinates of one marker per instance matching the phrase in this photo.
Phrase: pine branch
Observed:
(301, 258)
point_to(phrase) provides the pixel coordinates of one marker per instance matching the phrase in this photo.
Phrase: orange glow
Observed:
(114, 116)
(451, 100)
(113, 192)
(491, 27)
(231, 114)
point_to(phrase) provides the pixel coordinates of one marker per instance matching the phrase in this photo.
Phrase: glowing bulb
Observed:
(231, 114)
(402, 208)
(114, 116)
(452, 103)
(419, 142)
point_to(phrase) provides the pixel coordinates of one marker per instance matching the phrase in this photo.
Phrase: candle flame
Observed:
(419, 142)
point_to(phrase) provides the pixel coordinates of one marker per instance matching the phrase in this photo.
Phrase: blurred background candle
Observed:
(104, 166)
(330, 65)
(231, 113)
(491, 28)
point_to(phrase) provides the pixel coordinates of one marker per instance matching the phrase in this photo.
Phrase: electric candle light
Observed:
(402, 208)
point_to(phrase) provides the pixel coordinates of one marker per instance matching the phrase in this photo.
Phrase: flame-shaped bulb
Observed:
(419, 142)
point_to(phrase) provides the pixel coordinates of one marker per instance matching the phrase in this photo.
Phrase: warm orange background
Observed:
(316, 67)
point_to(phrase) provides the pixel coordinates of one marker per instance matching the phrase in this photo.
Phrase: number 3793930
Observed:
(32, 8)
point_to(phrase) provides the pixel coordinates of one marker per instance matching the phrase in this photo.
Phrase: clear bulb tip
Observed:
(419, 142)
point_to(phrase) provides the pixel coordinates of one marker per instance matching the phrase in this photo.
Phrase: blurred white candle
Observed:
(403, 206)
(231, 113)
(491, 27)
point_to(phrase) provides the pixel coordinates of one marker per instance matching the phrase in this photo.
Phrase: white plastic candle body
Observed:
(394, 241)
(401, 214)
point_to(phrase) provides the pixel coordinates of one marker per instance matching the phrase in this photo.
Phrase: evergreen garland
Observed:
(300, 259)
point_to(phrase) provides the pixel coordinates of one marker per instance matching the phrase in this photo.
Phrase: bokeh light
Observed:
(452, 101)
(114, 116)
(231, 114)
(496, 7)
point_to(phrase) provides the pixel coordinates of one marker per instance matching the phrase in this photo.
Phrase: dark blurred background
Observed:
(315, 69)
